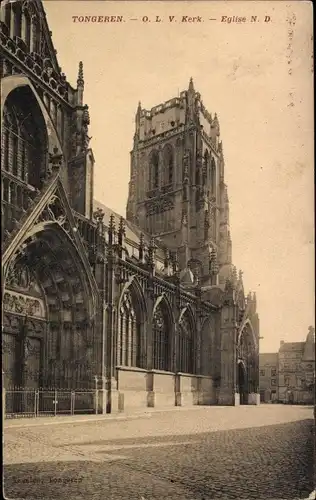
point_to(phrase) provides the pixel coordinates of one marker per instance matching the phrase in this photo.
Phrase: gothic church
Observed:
(148, 307)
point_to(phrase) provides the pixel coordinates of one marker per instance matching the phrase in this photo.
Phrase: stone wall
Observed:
(139, 388)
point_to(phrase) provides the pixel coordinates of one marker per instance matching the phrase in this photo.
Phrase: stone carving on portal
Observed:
(17, 303)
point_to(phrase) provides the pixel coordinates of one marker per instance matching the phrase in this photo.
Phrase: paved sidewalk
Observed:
(72, 419)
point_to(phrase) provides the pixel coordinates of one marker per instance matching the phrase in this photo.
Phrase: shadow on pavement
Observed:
(271, 462)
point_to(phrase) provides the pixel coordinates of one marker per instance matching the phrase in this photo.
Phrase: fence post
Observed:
(96, 395)
(72, 403)
(3, 397)
(36, 402)
(55, 404)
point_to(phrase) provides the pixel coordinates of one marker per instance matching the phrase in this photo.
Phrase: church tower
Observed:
(177, 190)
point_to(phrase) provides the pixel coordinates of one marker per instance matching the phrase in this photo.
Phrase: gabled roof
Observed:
(292, 346)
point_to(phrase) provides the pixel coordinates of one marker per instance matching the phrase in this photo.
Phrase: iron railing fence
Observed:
(28, 402)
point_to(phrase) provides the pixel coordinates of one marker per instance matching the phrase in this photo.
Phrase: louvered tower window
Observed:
(154, 170)
(168, 159)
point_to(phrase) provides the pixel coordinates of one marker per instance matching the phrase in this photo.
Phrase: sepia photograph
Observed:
(157, 229)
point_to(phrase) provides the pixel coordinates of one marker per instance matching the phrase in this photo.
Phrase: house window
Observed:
(287, 381)
(262, 373)
(273, 372)
(273, 381)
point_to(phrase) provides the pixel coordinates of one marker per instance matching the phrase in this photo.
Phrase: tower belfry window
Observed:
(168, 164)
(154, 170)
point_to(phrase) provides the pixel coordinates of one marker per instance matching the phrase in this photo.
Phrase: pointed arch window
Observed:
(24, 137)
(168, 158)
(161, 340)
(154, 170)
(186, 347)
(128, 345)
(7, 15)
(17, 13)
(27, 27)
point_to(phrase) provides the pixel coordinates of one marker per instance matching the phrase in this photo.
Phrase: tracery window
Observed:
(128, 333)
(161, 340)
(23, 153)
(168, 158)
(154, 170)
(24, 137)
(186, 348)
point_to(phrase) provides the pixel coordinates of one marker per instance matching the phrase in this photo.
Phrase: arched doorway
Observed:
(247, 365)
(49, 309)
(242, 384)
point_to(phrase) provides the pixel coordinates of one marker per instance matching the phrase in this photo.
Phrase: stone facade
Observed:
(268, 377)
(288, 376)
(148, 309)
(296, 371)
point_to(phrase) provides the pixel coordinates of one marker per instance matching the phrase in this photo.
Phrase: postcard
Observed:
(157, 180)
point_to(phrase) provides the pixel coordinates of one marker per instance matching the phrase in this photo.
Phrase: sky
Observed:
(257, 77)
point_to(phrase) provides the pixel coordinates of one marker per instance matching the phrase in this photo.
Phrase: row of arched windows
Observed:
(129, 337)
(161, 169)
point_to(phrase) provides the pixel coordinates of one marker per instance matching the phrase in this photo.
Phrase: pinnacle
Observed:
(80, 80)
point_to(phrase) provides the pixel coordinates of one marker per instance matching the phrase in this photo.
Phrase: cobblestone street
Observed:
(204, 453)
